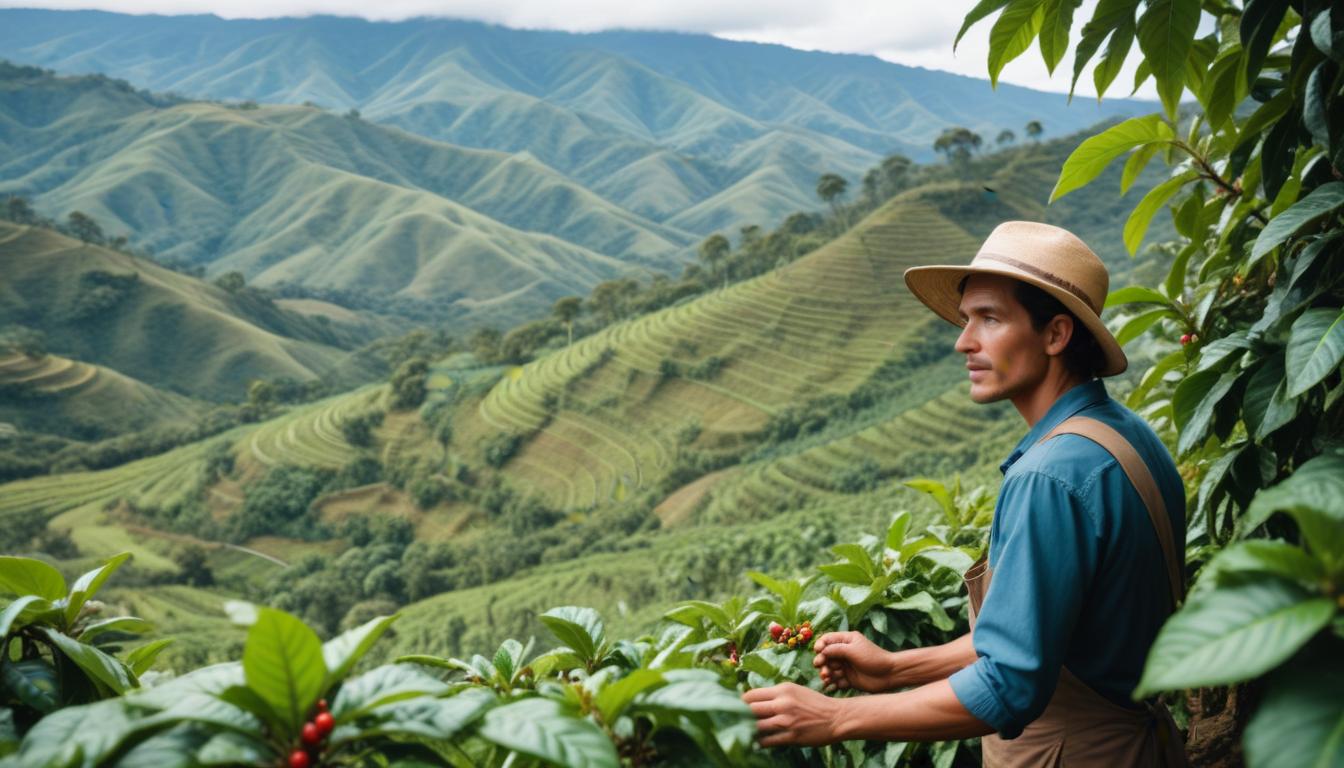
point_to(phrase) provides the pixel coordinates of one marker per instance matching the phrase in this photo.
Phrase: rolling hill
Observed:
(728, 133)
(57, 395)
(269, 192)
(166, 329)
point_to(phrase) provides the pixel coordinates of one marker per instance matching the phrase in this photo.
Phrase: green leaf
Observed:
(1012, 34)
(1137, 224)
(1219, 353)
(128, 624)
(1166, 32)
(107, 671)
(580, 629)
(1259, 24)
(615, 697)
(1266, 405)
(1231, 634)
(939, 493)
(14, 617)
(33, 682)
(694, 693)
(341, 653)
(381, 686)
(546, 730)
(283, 666)
(1224, 87)
(1094, 154)
(1193, 404)
(1323, 201)
(1135, 294)
(1326, 39)
(9, 735)
(1135, 326)
(846, 573)
(980, 11)
(1315, 348)
(896, 532)
(1138, 160)
(86, 586)
(1268, 556)
(924, 603)
(142, 658)
(1117, 50)
(1055, 28)
(1314, 496)
(1109, 16)
(1300, 721)
(25, 576)
(84, 736)
(422, 717)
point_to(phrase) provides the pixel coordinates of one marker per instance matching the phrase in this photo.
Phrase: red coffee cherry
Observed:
(310, 734)
(324, 722)
(298, 759)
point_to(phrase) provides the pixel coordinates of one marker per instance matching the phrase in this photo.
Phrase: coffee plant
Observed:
(1249, 325)
(668, 698)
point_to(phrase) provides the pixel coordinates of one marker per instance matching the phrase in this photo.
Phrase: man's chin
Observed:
(984, 395)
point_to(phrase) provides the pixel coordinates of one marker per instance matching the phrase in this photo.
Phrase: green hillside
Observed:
(267, 192)
(737, 131)
(164, 328)
(57, 395)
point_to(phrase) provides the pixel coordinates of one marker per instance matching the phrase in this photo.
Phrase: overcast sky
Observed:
(915, 32)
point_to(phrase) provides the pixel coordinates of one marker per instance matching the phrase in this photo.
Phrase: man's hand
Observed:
(790, 714)
(850, 660)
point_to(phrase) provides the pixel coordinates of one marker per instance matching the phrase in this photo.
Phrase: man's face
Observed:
(1005, 355)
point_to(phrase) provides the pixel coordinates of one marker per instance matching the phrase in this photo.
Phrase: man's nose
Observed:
(965, 342)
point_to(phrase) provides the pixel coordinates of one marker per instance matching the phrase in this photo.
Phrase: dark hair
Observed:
(1083, 356)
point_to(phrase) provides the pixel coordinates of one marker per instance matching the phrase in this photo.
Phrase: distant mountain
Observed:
(166, 329)
(294, 194)
(686, 130)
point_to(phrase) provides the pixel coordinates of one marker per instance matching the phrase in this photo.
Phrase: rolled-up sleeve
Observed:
(1043, 553)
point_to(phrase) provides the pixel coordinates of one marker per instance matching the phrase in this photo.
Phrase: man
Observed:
(1084, 552)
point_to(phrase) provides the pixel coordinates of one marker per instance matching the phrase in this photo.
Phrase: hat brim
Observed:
(936, 287)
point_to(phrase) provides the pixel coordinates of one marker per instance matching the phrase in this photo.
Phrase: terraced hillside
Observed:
(610, 414)
(161, 327)
(61, 396)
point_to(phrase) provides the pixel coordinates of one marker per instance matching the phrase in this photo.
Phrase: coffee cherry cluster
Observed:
(733, 658)
(794, 637)
(1186, 338)
(311, 736)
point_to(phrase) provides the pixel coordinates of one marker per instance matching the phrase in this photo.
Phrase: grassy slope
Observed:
(61, 396)
(169, 330)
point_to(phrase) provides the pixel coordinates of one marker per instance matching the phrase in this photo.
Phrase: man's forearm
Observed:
(929, 713)
(918, 666)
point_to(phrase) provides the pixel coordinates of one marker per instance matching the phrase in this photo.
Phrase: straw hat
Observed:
(1045, 256)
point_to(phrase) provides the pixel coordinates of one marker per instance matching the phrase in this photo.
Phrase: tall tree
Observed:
(84, 227)
(1034, 130)
(830, 188)
(1006, 137)
(957, 143)
(566, 310)
(713, 251)
(19, 211)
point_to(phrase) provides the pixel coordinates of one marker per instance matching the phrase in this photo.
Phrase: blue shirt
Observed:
(1079, 577)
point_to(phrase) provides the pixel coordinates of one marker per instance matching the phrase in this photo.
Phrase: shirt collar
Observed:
(1068, 404)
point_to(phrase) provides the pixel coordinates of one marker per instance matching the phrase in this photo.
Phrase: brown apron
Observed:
(1079, 726)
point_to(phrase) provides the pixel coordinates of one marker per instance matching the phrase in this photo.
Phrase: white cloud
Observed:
(913, 32)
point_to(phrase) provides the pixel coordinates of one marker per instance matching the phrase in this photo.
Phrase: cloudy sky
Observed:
(915, 32)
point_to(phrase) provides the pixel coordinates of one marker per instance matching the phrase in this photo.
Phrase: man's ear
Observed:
(1058, 332)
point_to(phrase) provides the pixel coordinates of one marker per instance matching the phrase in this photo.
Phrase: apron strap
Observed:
(1142, 479)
